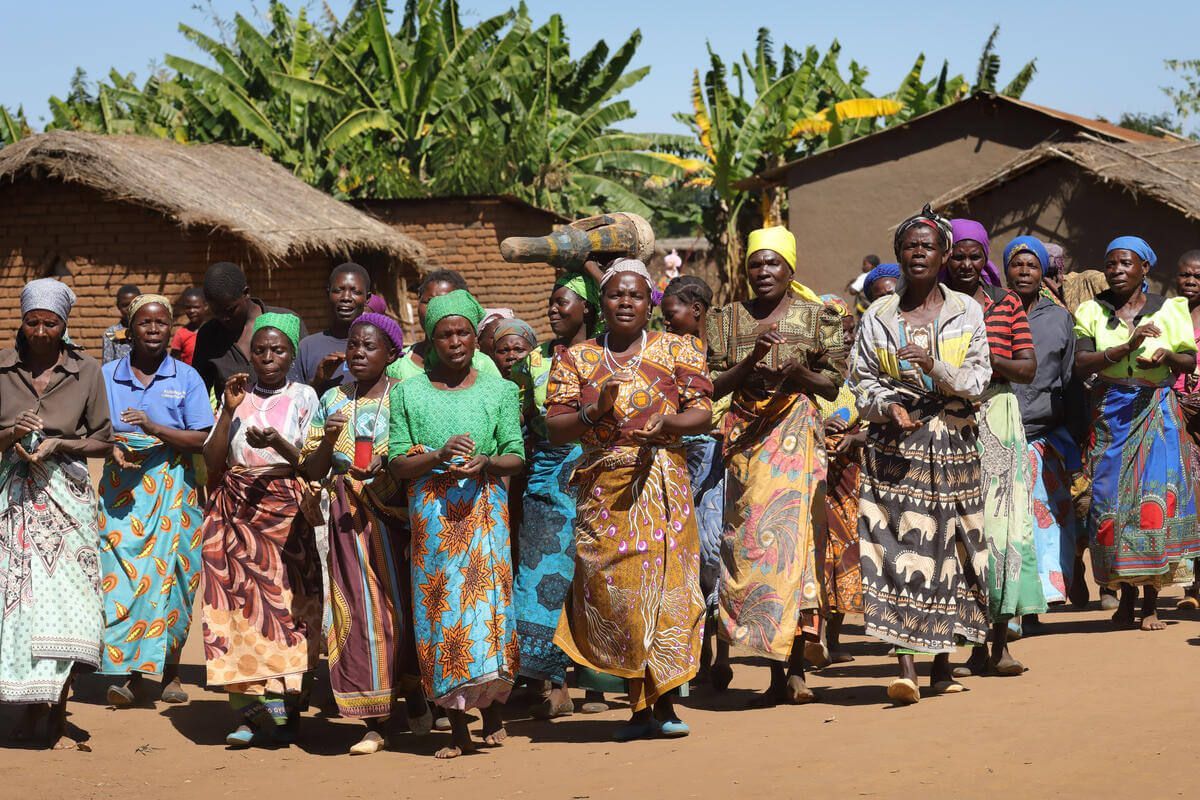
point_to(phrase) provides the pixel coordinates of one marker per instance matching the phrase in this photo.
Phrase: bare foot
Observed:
(67, 743)
(798, 692)
(1151, 622)
(447, 753)
(495, 738)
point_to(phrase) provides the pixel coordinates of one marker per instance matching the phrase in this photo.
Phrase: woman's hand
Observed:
(26, 423)
(900, 416)
(916, 355)
(850, 442)
(263, 438)
(608, 394)
(44, 450)
(328, 367)
(835, 425)
(653, 432)
(765, 341)
(1154, 360)
(475, 466)
(334, 424)
(460, 446)
(119, 457)
(235, 391)
(372, 470)
(138, 419)
(1147, 330)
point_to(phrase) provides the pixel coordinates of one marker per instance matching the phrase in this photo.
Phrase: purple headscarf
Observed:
(963, 229)
(377, 304)
(389, 327)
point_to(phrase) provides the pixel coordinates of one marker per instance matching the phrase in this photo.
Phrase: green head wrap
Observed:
(582, 285)
(287, 324)
(459, 303)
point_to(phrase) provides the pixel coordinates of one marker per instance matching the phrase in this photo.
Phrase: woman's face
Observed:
(368, 352)
(626, 303)
(435, 289)
(848, 325)
(1024, 273)
(567, 313)
(681, 317)
(271, 356)
(485, 337)
(881, 287)
(921, 254)
(43, 330)
(1125, 271)
(150, 330)
(454, 342)
(769, 274)
(966, 263)
(1187, 281)
(509, 349)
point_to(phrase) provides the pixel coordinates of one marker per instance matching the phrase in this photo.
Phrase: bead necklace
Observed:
(271, 396)
(634, 364)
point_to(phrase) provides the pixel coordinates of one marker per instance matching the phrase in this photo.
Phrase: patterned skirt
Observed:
(547, 560)
(462, 590)
(774, 498)
(1014, 587)
(52, 621)
(150, 554)
(1055, 524)
(370, 641)
(707, 472)
(635, 609)
(923, 554)
(837, 539)
(262, 585)
(1142, 522)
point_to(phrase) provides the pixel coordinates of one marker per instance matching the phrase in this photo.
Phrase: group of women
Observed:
(605, 502)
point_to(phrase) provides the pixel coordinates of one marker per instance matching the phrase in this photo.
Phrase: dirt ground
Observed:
(1100, 713)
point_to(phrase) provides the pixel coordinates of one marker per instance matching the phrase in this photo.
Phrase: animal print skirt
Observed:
(923, 555)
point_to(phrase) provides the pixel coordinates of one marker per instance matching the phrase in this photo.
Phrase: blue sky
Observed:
(1094, 58)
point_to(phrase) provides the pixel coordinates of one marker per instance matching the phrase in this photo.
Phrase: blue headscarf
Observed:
(1134, 244)
(882, 271)
(1027, 244)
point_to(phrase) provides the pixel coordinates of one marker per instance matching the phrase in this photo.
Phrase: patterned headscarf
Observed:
(48, 294)
(143, 300)
(519, 327)
(385, 324)
(626, 265)
(837, 304)
(1027, 244)
(1136, 245)
(927, 217)
(459, 303)
(287, 324)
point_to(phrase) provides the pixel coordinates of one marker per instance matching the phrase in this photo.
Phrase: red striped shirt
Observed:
(1007, 324)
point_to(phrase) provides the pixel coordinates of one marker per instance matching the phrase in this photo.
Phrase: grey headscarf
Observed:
(47, 294)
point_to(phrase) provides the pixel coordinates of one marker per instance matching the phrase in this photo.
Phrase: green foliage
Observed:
(1186, 98)
(1153, 124)
(13, 126)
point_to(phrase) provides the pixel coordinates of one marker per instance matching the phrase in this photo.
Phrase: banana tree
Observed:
(13, 126)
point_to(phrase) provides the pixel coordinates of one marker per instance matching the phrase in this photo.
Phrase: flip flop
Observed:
(948, 687)
(120, 696)
(1188, 603)
(1006, 667)
(370, 744)
(593, 707)
(673, 729)
(904, 692)
(173, 693)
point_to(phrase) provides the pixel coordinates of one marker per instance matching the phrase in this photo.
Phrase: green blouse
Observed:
(404, 368)
(531, 375)
(488, 410)
(1098, 328)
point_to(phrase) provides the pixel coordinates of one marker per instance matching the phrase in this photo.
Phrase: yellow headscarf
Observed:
(783, 242)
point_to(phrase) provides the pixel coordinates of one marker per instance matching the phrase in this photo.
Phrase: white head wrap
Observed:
(47, 294)
(626, 265)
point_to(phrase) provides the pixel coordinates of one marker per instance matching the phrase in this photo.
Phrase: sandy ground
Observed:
(1100, 713)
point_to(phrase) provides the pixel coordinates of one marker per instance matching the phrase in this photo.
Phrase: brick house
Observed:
(102, 211)
(464, 234)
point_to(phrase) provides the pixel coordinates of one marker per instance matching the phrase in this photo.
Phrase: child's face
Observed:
(193, 309)
(124, 301)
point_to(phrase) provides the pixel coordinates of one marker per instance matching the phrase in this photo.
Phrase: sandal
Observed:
(1188, 603)
(632, 731)
(948, 687)
(1006, 667)
(173, 693)
(546, 710)
(370, 744)
(120, 696)
(673, 728)
(904, 692)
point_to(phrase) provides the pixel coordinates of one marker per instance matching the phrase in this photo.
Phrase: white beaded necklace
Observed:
(634, 363)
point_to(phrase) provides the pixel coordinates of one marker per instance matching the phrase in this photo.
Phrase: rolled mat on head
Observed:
(287, 324)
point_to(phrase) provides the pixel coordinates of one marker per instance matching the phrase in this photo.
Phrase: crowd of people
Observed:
(616, 506)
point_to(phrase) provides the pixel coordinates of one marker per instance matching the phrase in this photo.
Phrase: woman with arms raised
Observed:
(920, 364)
(1142, 521)
(53, 417)
(455, 434)
(262, 574)
(150, 526)
(635, 609)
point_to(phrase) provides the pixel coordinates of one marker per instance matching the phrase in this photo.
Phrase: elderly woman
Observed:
(372, 657)
(920, 364)
(53, 416)
(1142, 521)
(262, 581)
(455, 433)
(880, 281)
(513, 340)
(774, 355)
(150, 526)
(1053, 454)
(546, 561)
(634, 609)
(1015, 588)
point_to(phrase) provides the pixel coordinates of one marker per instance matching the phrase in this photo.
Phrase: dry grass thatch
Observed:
(1167, 171)
(236, 190)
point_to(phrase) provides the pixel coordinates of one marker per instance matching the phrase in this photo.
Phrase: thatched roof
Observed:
(1167, 171)
(235, 190)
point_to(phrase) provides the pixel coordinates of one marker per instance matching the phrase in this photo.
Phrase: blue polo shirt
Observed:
(175, 398)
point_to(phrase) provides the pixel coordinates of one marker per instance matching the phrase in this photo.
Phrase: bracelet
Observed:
(1104, 352)
(584, 418)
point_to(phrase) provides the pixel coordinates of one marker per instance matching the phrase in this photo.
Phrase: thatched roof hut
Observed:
(209, 187)
(1083, 193)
